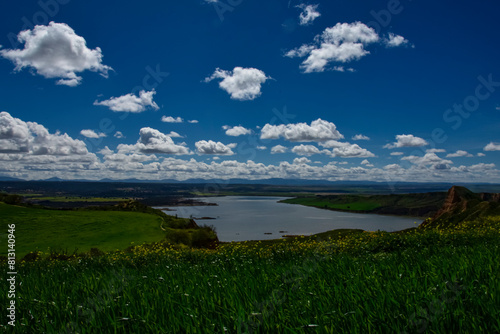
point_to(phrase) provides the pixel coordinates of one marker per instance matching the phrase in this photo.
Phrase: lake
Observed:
(240, 218)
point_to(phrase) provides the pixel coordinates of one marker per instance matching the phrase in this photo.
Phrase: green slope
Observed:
(421, 205)
(40, 229)
(462, 204)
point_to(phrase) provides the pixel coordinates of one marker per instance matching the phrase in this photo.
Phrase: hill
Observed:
(417, 205)
(461, 204)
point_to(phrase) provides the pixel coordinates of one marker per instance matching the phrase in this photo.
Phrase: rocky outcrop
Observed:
(462, 204)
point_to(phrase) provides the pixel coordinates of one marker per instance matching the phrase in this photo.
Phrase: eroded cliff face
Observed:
(462, 204)
(456, 200)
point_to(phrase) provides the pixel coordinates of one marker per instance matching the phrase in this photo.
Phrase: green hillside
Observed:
(462, 204)
(40, 229)
(419, 205)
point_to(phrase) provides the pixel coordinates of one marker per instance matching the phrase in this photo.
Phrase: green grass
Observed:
(40, 229)
(416, 205)
(438, 281)
(360, 205)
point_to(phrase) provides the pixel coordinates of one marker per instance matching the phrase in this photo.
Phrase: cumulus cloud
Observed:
(119, 135)
(193, 121)
(435, 150)
(130, 102)
(278, 149)
(342, 43)
(407, 141)
(394, 40)
(481, 154)
(19, 137)
(300, 161)
(309, 14)
(428, 159)
(397, 153)
(216, 148)
(261, 148)
(367, 163)
(306, 150)
(92, 134)
(30, 151)
(56, 51)
(154, 141)
(459, 153)
(492, 147)
(236, 131)
(319, 130)
(352, 151)
(170, 119)
(360, 137)
(241, 83)
(334, 144)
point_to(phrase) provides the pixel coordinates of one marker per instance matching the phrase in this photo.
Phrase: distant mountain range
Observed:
(273, 181)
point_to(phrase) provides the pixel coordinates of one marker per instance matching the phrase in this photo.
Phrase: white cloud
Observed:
(236, 131)
(29, 151)
(334, 144)
(119, 135)
(342, 43)
(300, 161)
(278, 149)
(130, 102)
(428, 159)
(174, 134)
(56, 51)
(17, 136)
(92, 134)
(352, 151)
(395, 40)
(345, 42)
(241, 83)
(481, 154)
(492, 147)
(435, 150)
(367, 163)
(459, 153)
(319, 130)
(305, 150)
(170, 119)
(397, 153)
(154, 141)
(262, 148)
(342, 69)
(360, 137)
(309, 14)
(211, 147)
(193, 121)
(407, 141)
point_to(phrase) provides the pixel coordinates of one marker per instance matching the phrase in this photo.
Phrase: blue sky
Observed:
(334, 90)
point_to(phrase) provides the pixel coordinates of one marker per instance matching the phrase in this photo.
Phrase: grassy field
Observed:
(319, 202)
(421, 205)
(40, 229)
(440, 281)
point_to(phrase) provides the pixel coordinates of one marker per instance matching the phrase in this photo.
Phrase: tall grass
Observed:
(440, 281)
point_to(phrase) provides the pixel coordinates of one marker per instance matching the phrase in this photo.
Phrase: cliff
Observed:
(462, 204)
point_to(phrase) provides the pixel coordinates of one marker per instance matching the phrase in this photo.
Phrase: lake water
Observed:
(240, 218)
